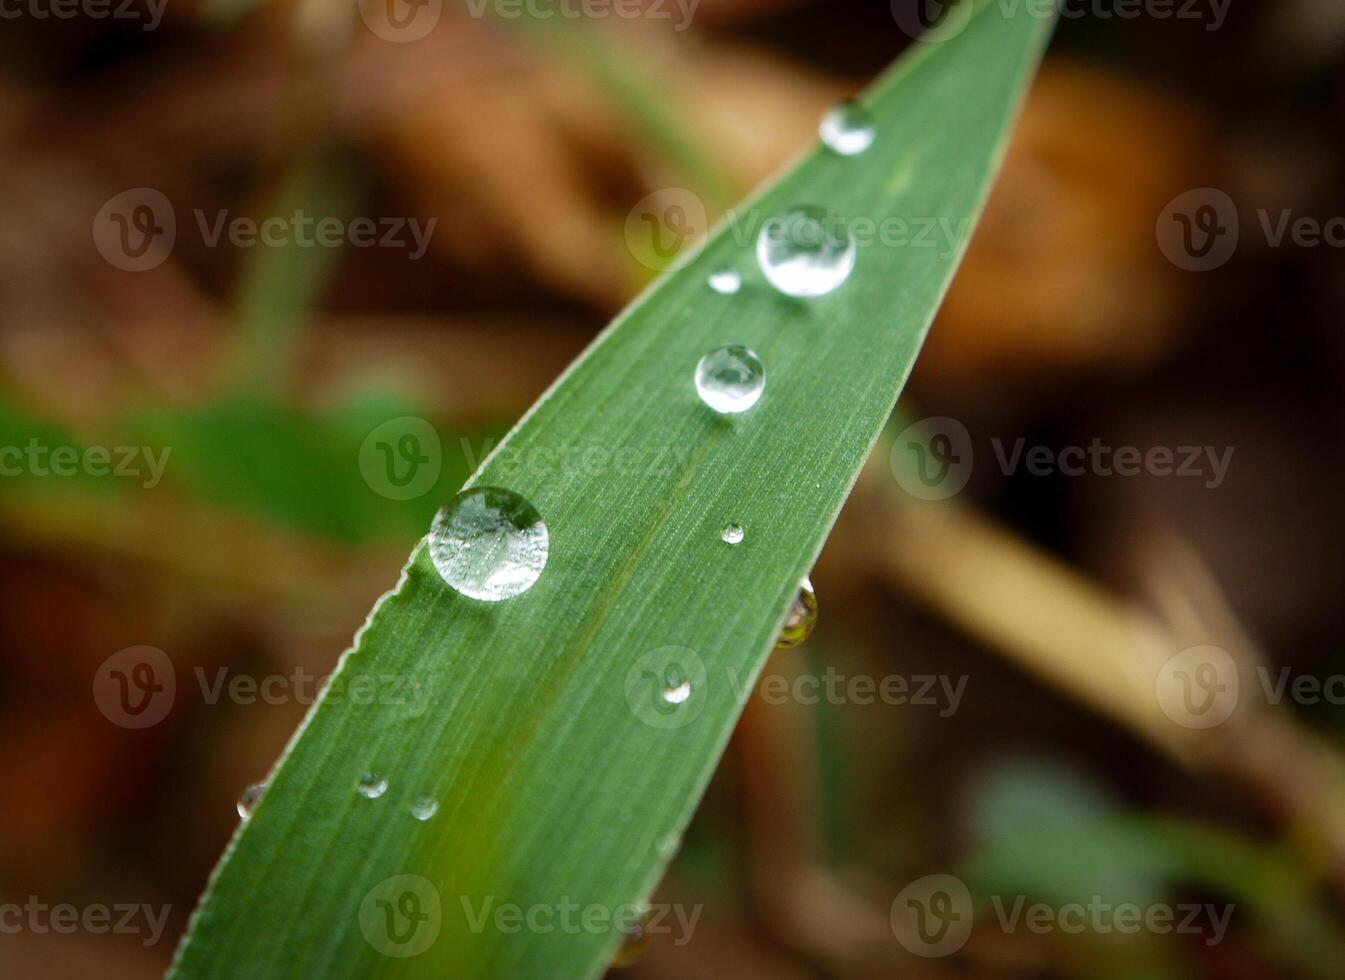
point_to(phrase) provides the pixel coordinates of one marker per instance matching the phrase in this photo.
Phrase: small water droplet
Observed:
(806, 251)
(726, 281)
(635, 939)
(249, 799)
(730, 379)
(677, 693)
(371, 786)
(801, 619)
(847, 128)
(732, 533)
(489, 543)
(669, 846)
(424, 807)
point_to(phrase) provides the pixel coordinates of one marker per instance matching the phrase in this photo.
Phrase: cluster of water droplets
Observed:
(491, 544)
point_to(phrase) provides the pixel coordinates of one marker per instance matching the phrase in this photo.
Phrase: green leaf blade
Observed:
(555, 788)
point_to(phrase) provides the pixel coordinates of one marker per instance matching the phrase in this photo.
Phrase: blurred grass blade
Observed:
(561, 789)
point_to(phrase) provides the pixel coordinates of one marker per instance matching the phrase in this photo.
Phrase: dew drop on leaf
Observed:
(806, 251)
(489, 543)
(424, 807)
(847, 128)
(371, 786)
(249, 799)
(730, 379)
(726, 281)
(801, 619)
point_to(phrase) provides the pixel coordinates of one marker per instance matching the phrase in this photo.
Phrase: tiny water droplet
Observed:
(730, 379)
(847, 128)
(489, 543)
(635, 939)
(806, 251)
(669, 846)
(726, 281)
(249, 799)
(677, 693)
(801, 619)
(732, 533)
(371, 786)
(424, 807)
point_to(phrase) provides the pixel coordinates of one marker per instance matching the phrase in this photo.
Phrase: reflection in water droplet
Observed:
(732, 533)
(807, 251)
(371, 786)
(249, 799)
(677, 693)
(847, 128)
(730, 379)
(635, 939)
(801, 619)
(424, 807)
(726, 281)
(489, 543)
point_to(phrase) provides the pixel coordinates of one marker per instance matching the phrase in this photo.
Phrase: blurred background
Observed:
(193, 379)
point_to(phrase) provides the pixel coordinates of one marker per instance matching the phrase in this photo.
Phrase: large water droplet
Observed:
(726, 281)
(806, 251)
(371, 786)
(801, 619)
(732, 533)
(847, 128)
(730, 379)
(635, 939)
(249, 799)
(489, 543)
(424, 807)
